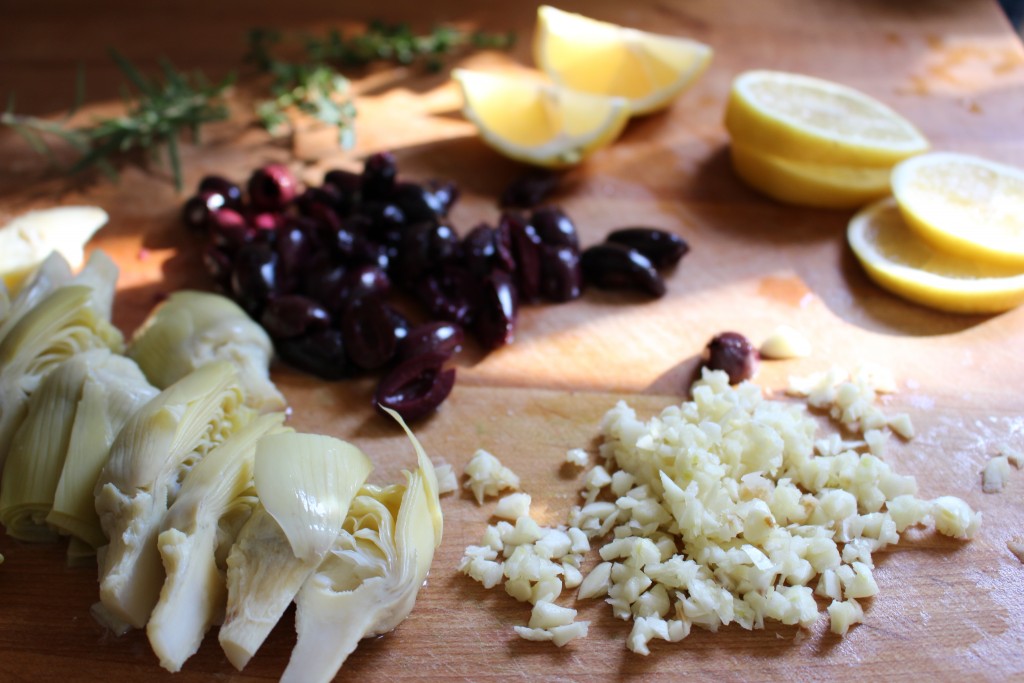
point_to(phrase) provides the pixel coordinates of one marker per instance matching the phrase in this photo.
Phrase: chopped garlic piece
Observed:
(845, 614)
(548, 615)
(954, 517)
(577, 456)
(447, 482)
(1016, 546)
(487, 476)
(596, 583)
(785, 342)
(513, 506)
(996, 474)
(1014, 456)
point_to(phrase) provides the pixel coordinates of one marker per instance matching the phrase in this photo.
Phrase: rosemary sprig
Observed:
(316, 86)
(157, 113)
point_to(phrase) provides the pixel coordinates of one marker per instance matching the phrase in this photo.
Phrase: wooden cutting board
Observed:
(946, 610)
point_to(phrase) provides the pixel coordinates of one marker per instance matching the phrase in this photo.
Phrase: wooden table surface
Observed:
(946, 610)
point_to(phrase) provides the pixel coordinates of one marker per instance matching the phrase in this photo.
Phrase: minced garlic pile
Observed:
(727, 508)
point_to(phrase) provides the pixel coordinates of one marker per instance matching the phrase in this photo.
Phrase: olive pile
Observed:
(318, 267)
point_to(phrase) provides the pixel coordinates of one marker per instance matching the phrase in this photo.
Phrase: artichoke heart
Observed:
(368, 582)
(68, 321)
(306, 483)
(52, 273)
(151, 455)
(194, 592)
(191, 329)
(114, 389)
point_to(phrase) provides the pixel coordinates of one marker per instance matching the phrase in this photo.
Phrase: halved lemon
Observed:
(896, 259)
(964, 204)
(827, 186)
(647, 69)
(538, 123)
(29, 238)
(810, 119)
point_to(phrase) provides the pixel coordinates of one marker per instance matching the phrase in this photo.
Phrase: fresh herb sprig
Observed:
(316, 86)
(158, 112)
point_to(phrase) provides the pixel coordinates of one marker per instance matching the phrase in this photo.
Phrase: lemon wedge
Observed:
(810, 119)
(584, 54)
(964, 205)
(896, 259)
(29, 238)
(539, 123)
(827, 186)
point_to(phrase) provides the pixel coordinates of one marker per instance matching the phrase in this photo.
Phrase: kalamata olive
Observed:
(479, 249)
(662, 248)
(218, 265)
(526, 252)
(324, 282)
(418, 203)
(386, 221)
(367, 252)
(495, 322)
(197, 210)
(379, 172)
(292, 315)
(446, 193)
(231, 192)
(554, 227)
(294, 250)
(615, 266)
(229, 231)
(732, 353)
(369, 333)
(449, 293)
(320, 353)
(440, 337)
(254, 277)
(529, 190)
(399, 322)
(344, 181)
(416, 387)
(326, 196)
(358, 282)
(272, 188)
(561, 276)
(425, 246)
(265, 220)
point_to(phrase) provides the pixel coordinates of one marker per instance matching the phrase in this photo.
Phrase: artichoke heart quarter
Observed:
(306, 483)
(368, 582)
(66, 322)
(191, 329)
(194, 592)
(150, 457)
(52, 273)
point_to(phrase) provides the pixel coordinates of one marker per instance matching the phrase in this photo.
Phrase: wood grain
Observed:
(946, 610)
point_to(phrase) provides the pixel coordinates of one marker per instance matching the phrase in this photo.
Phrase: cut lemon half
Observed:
(964, 204)
(814, 120)
(29, 238)
(538, 123)
(584, 54)
(827, 186)
(896, 259)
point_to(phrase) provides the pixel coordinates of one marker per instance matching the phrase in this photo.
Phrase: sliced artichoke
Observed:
(113, 391)
(306, 484)
(69, 321)
(52, 273)
(31, 237)
(150, 457)
(193, 328)
(369, 581)
(39, 447)
(194, 592)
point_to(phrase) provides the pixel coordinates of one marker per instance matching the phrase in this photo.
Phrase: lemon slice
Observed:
(897, 260)
(810, 119)
(539, 123)
(29, 238)
(826, 186)
(593, 56)
(964, 205)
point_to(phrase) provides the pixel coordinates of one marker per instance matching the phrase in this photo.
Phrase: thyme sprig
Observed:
(158, 112)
